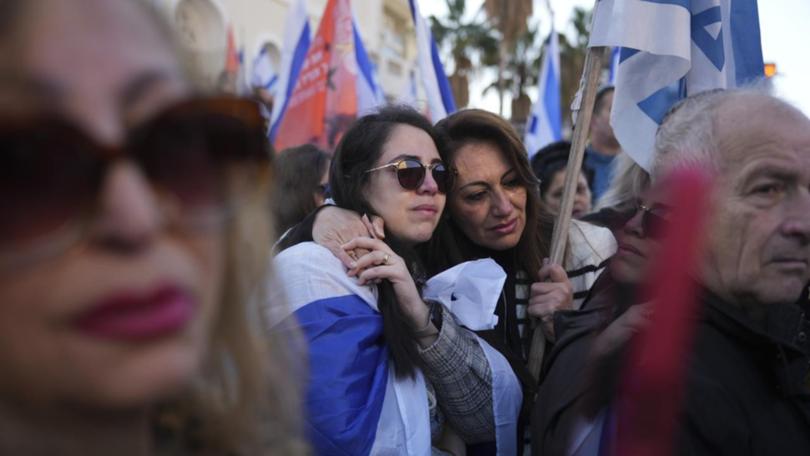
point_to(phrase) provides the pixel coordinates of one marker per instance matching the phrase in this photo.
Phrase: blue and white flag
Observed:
(545, 122)
(354, 403)
(410, 95)
(370, 95)
(297, 37)
(672, 49)
(437, 87)
(262, 74)
(615, 58)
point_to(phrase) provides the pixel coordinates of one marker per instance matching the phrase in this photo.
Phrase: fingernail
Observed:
(353, 264)
(546, 261)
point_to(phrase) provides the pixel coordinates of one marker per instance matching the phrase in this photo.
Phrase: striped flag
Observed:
(354, 404)
(437, 87)
(370, 95)
(545, 123)
(335, 84)
(295, 47)
(672, 49)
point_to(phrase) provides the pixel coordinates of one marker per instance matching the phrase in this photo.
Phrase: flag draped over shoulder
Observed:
(297, 37)
(437, 88)
(672, 49)
(354, 403)
(545, 123)
(336, 82)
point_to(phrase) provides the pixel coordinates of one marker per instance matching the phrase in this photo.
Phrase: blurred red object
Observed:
(652, 385)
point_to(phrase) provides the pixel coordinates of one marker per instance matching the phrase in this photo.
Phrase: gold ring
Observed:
(385, 258)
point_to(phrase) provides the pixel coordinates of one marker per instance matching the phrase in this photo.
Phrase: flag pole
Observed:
(583, 110)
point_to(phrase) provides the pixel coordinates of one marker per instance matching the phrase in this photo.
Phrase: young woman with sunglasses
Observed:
(389, 370)
(132, 208)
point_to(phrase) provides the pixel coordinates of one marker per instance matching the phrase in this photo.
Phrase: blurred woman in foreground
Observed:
(131, 209)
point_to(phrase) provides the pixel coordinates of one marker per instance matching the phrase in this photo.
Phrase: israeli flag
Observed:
(672, 49)
(354, 403)
(297, 36)
(263, 75)
(437, 87)
(370, 95)
(545, 122)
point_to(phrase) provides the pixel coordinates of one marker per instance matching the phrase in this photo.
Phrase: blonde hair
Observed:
(245, 401)
(628, 183)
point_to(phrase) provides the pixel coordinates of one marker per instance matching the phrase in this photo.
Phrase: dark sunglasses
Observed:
(411, 173)
(653, 219)
(51, 172)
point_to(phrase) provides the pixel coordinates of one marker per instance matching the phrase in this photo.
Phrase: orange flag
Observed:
(231, 54)
(324, 101)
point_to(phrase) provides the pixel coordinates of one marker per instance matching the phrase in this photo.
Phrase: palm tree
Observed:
(521, 71)
(472, 45)
(510, 19)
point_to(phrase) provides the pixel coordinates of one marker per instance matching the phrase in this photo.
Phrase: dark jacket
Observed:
(748, 391)
(567, 378)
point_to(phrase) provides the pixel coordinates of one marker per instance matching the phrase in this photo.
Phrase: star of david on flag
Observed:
(671, 49)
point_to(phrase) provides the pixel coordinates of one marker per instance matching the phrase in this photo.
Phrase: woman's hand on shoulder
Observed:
(335, 226)
(552, 293)
(381, 263)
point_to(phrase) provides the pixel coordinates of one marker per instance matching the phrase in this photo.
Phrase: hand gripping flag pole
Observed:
(583, 108)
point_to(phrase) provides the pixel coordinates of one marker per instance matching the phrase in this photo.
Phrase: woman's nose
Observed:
(634, 225)
(501, 204)
(129, 217)
(429, 184)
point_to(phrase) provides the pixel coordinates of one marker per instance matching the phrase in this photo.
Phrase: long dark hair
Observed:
(449, 246)
(357, 152)
(298, 173)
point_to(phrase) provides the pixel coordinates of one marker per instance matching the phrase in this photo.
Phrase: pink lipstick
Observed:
(134, 316)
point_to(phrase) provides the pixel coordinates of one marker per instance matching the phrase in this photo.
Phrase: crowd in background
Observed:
(169, 284)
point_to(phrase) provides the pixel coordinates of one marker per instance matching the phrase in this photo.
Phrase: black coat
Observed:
(748, 391)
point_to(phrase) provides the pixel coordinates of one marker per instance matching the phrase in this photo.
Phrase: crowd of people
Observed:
(169, 284)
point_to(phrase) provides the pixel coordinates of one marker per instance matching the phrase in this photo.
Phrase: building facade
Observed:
(384, 25)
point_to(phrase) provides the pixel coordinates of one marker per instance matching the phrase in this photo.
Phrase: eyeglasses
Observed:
(411, 173)
(51, 172)
(653, 219)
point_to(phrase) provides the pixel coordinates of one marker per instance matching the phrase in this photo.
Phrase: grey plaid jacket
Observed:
(457, 369)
